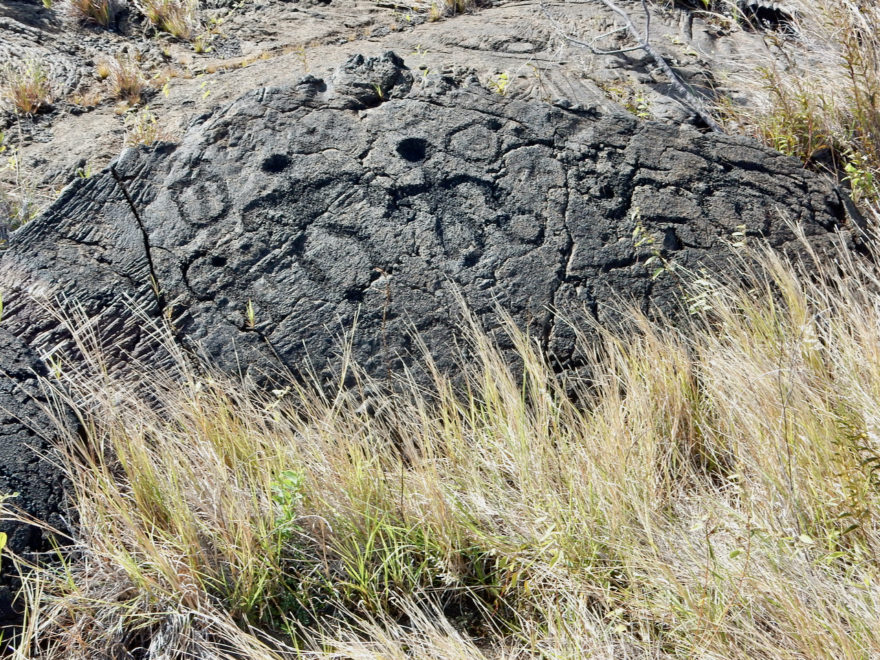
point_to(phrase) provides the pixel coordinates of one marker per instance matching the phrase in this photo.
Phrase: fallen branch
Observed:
(688, 98)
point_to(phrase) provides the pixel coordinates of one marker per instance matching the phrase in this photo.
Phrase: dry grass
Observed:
(714, 494)
(19, 200)
(823, 105)
(103, 69)
(142, 127)
(99, 12)
(176, 17)
(25, 87)
(126, 81)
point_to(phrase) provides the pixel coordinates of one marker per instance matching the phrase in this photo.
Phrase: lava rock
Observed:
(371, 204)
(29, 480)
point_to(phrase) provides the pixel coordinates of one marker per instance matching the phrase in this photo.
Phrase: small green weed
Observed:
(19, 203)
(287, 495)
(499, 83)
(142, 127)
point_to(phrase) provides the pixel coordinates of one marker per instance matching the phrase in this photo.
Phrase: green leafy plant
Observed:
(142, 127)
(860, 177)
(287, 495)
(640, 107)
(499, 83)
(823, 109)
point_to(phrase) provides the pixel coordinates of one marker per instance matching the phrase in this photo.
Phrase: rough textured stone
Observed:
(378, 197)
(317, 202)
(716, 47)
(27, 434)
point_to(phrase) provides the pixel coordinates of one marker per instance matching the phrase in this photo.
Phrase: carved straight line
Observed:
(154, 280)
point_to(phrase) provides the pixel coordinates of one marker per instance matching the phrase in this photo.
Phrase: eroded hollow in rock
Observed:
(413, 149)
(275, 163)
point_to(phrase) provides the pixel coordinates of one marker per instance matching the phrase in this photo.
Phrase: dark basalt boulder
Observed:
(377, 197)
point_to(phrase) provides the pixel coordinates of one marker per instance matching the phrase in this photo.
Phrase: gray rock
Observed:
(325, 205)
(315, 202)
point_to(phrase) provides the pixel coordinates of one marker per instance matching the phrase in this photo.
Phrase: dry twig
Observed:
(688, 98)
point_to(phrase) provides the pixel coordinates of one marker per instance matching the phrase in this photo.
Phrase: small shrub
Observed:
(126, 80)
(103, 69)
(100, 12)
(26, 87)
(499, 83)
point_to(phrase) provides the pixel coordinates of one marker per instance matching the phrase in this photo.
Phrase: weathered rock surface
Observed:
(319, 202)
(378, 196)
(27, 436)
(275, 42)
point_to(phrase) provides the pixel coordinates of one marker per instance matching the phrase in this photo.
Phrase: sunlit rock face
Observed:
(374, 202)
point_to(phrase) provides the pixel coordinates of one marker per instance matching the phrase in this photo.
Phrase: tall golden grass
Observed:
(178, 18)
(712, 492)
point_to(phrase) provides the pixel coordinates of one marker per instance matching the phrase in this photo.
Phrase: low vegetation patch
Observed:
(19, 202)
(710, 492)
(142, 127)
(99, 12)
(176, 17)
(25, 87)
(126, 81)
(823, 105)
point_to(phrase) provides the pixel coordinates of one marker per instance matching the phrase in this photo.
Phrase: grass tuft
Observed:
(126, 81)
(142, 127)
(25, 86)
(176, 17)
(99, 12)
